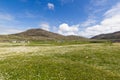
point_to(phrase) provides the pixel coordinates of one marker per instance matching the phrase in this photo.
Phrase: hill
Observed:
(39, 34)
(110, 36)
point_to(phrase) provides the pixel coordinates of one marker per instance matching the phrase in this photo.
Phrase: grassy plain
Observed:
(60, 62)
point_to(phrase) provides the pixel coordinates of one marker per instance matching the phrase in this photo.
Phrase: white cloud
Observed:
(114, 11)
(94, 9)
(4, 29)
(88, 22)
(97, 6)
(109, 24)
(45, 26)
(50, 6)
(65, 29)
(99, 2)
(55, 29)
(4, 16)
(9, 24)
(11, 31)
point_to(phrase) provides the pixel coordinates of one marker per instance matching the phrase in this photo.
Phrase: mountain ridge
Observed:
(115, 36)
(39, 34)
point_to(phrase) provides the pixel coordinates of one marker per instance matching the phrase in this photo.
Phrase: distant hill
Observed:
(110, 36)
(38, 34)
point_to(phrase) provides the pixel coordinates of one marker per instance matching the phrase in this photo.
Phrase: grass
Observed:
(57, 42)
(68, 62)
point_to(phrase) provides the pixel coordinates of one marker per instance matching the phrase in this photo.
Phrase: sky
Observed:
(67, 17)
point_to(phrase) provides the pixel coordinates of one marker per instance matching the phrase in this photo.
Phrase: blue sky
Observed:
(68, 17)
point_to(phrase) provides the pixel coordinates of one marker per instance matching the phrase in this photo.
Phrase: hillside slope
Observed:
(39, 34)
(111, 36)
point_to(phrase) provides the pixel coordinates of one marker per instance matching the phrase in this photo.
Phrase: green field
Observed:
(60, 62)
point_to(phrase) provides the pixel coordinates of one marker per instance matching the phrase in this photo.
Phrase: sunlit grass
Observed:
(70, 62)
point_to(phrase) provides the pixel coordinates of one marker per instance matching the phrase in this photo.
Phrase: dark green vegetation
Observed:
(115, 37)
(57, 43)
(66, 42)
(69, 62)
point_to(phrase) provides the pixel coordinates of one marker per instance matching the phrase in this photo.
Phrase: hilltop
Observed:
(110, 36)
(39, 34)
